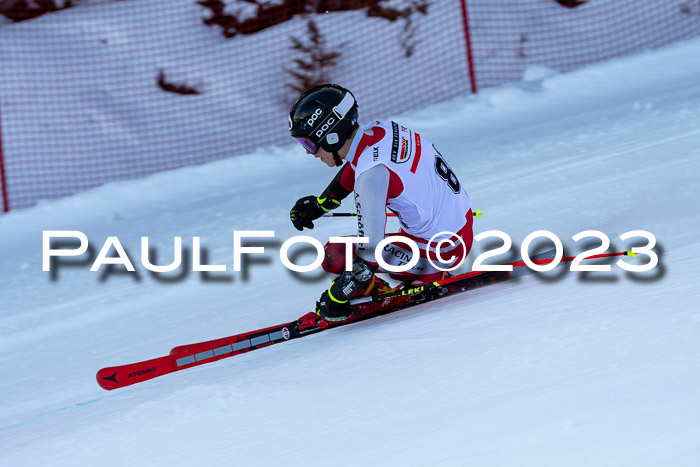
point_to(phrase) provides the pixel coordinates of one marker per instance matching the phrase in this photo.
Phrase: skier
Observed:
(386, 166)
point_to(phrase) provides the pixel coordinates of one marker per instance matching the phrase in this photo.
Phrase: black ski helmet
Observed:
(324, 117)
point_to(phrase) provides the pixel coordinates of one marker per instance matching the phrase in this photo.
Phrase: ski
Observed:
(195, 354)
(191, 355)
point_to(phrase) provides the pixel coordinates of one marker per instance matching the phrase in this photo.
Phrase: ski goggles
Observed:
(309, 145)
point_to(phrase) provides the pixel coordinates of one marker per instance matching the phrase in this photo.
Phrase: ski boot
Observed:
(333, 311)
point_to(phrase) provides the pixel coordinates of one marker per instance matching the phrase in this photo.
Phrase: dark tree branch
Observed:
(268, 15)
(176, 88)
(22, 10)
(312, 69)
(570, 3)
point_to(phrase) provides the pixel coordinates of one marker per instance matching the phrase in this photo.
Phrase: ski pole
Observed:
(477, 214)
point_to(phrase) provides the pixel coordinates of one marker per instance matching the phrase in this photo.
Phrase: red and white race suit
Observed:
(390, 166)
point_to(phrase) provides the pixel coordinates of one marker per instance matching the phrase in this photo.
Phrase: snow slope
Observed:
(599, 369)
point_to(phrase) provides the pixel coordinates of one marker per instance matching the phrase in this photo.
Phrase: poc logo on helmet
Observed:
(325, 127)
(314, 117)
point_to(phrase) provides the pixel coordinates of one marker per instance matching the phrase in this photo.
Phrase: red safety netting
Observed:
(508, 36)
(116, 90)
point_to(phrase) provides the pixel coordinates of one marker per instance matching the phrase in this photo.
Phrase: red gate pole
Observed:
(468, 42)
(3, 181)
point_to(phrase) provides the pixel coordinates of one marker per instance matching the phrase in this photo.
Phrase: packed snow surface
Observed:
(578, 370)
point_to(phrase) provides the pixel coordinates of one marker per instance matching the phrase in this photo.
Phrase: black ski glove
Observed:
(309, 208)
